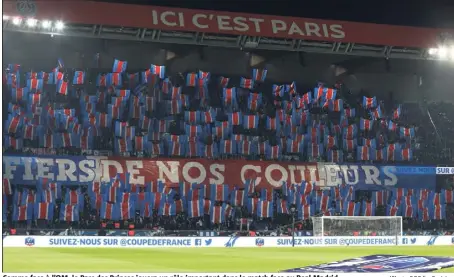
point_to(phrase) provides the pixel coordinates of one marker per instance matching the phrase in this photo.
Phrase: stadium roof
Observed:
(224, 29)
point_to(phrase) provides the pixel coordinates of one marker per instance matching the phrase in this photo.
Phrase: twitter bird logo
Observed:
(208, 242)
(413, 240)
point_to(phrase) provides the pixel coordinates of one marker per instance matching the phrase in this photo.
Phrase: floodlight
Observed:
(442, 52)
(16, 20)
(59, 25)
(46, 24)
(433, 51)
(31, 22)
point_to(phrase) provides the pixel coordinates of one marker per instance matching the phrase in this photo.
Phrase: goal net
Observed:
(357, 225)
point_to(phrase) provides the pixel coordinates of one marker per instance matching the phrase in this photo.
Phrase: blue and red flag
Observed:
(219, 192)
(351, 209)
(405, 154)
(195, 208)
(69, 213)
(425, 215)
(282, 207)
(396, 113)
(23, 212)
(265, 209)
(13, 143)
(44, 210)
(229, 96)
(392, 210)
(224, 81)
(159, 70)
(305, 211)
(279, 90)
(380, 197)
(259, 75)
(192, 117)
(119, 66)
(363, 153)
(227, 147)
(335, 156)
(447, 196)
(238, 197)
(315, 150)
(251, 121)
(322, 202)
(273, 152)
(368, 208)
(366, 124)
(407, 132)
(62, 87)
(350, 132)
(369, 102)
(122, 145)
(35, 85)
(349, 112)
(125, 210)
(437, 212)
(217, 214)
(335, 105)
(75, 198)
(235, 118)
(167, 209)
(408, 211)
(108, 211)
(191, 79)
(376, 113)
(246, 83)
(79, 78)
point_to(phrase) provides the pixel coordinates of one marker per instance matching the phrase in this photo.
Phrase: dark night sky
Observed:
(424, 13)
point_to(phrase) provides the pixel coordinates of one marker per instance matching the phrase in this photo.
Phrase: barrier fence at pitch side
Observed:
(198, 242)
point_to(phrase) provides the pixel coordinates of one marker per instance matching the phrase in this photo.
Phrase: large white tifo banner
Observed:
(200, 242)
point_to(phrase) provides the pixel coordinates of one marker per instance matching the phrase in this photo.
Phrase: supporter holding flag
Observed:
(259, 75)
(305, 211)
(217, 214)
(219, 192)
(119, 66)
(224, 81)
(369, 102)
(246, 83)
(23, 212)
(69, 213)
(158, 70)
(79, 78)
(44, 210)
(351, 208)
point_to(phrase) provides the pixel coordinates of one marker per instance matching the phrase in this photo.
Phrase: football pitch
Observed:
(172, 260)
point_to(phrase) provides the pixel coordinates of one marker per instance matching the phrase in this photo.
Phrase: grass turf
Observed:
(172, 260)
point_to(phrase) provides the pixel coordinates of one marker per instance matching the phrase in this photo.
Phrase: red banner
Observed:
(174, 19)
(203, 171)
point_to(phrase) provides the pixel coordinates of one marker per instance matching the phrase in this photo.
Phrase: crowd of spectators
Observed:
(431, 145)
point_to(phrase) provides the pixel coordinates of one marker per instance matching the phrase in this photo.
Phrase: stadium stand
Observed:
(149, 114)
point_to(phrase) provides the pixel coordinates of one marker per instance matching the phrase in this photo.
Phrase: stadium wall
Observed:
(201, 242)
(365, 75)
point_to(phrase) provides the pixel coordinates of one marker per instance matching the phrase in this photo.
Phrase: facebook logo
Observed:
(404, 241)
(198, 242)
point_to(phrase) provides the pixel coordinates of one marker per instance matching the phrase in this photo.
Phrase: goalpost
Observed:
(365, 225)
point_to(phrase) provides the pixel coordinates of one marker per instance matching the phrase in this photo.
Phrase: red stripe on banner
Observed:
(177, 19)
(202, 171)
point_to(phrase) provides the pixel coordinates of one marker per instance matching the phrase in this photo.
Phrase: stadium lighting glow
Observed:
(31, 22)
(433, 51)
(442, 52)
(46, 24)
(59, 25)
(16, 21)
